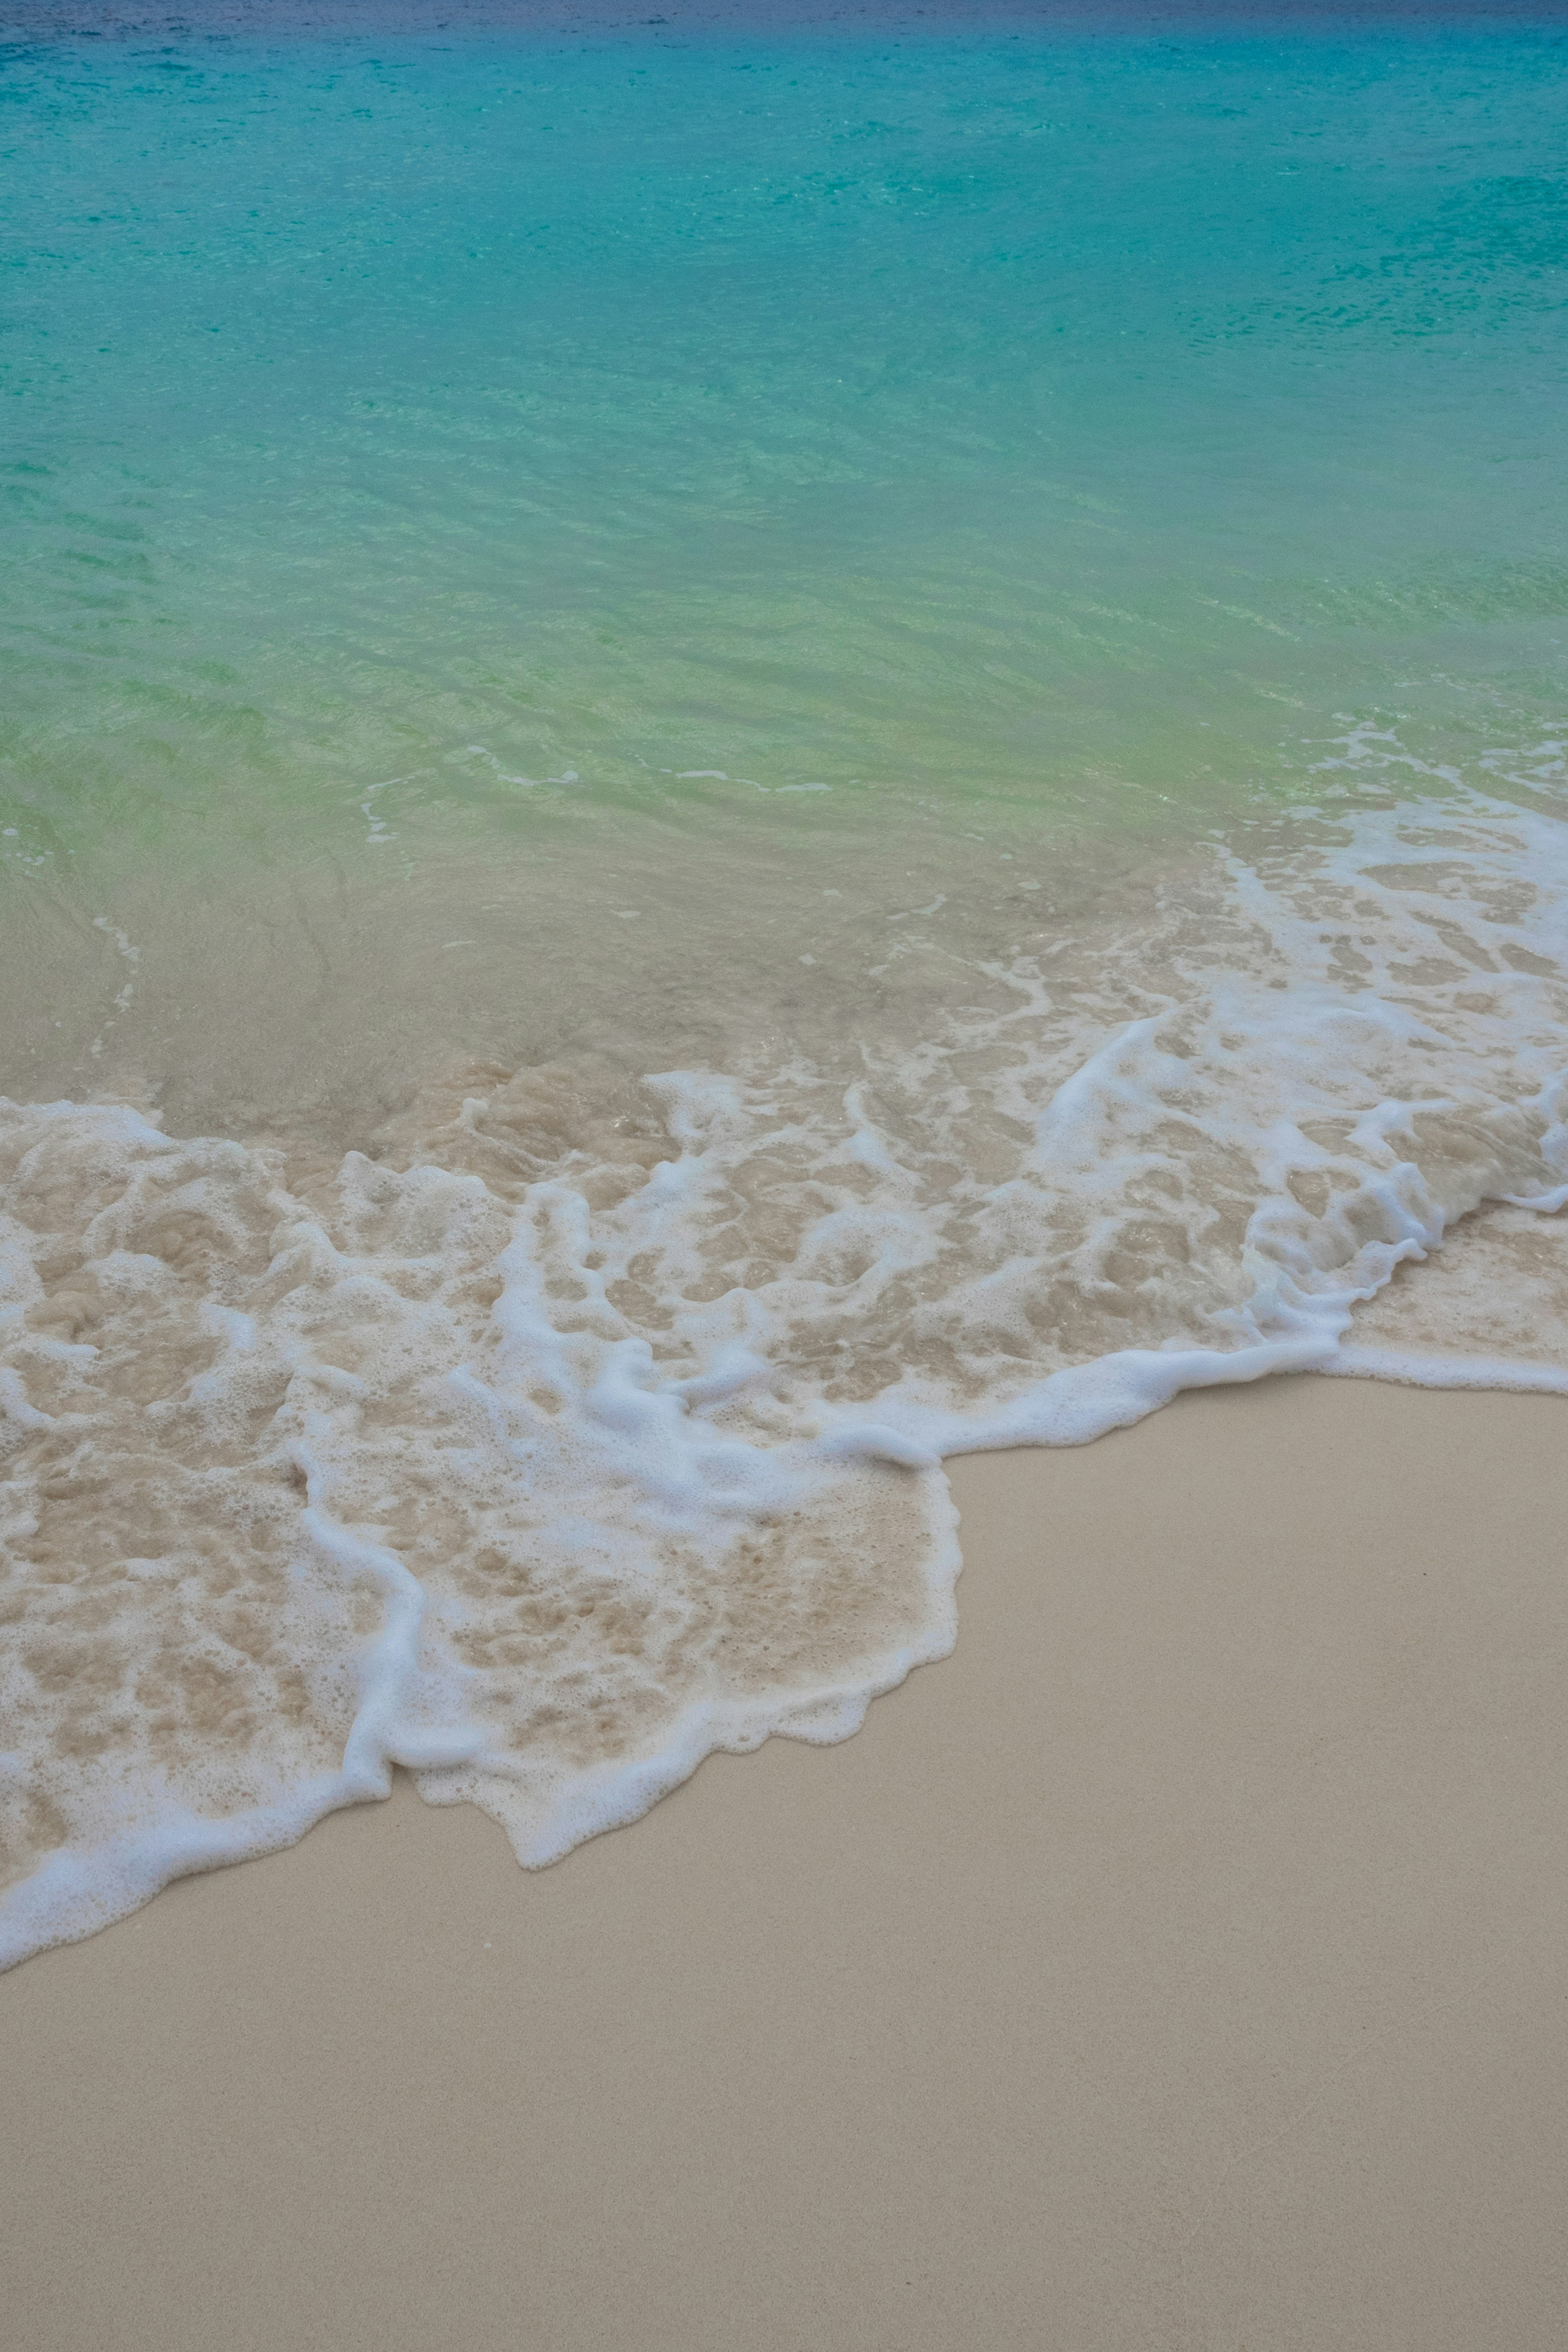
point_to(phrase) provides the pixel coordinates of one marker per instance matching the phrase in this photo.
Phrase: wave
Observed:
(586, 1423)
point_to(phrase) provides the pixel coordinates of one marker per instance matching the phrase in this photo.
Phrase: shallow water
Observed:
(727, 761)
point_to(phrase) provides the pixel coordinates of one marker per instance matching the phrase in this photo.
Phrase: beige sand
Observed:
(1182, 1965)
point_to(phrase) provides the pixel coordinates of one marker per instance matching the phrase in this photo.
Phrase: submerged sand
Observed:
(1183, 1965)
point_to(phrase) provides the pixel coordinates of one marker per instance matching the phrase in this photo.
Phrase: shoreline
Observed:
(1175, 1965)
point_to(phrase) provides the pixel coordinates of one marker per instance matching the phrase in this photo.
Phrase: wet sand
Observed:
(1182, 1965)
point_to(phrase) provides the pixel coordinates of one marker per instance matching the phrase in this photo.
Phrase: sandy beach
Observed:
(1182, 1965)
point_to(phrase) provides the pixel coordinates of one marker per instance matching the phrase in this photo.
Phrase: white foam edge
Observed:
(1072, 1407)
(1082, 1401)
(73, 1895)
(613, 1796)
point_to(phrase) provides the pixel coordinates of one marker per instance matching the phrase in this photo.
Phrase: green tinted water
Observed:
(457, 446)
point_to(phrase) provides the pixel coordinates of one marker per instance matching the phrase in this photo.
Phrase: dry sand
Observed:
(1182, 1965)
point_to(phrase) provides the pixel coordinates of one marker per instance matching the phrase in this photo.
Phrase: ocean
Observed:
(735, 750)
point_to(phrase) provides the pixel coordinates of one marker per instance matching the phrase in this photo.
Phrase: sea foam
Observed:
(587, 1424)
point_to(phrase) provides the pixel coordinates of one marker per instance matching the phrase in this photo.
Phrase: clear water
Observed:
(1059, 432)
(838, 566)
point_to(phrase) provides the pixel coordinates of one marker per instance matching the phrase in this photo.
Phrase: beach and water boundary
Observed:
(643, 937)
(586, 1424)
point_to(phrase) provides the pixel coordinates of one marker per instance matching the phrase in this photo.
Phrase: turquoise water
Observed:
(1075, 423)
(728, 761)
